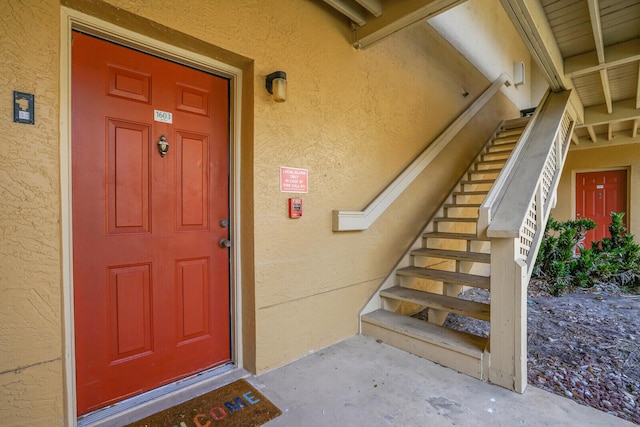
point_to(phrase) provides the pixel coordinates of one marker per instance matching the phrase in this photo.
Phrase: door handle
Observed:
(225, 243)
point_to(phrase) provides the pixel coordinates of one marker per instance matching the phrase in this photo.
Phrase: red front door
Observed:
(151, 282)
(597, 195)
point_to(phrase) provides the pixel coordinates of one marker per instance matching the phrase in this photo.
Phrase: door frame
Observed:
(72, 19)
(574, 194)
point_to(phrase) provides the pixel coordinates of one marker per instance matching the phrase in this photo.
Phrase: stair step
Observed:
(500, 148)
(461, 306)
(455, 255)
(462, 205)
(470, 193)
(504, 156)
(455, 219)
(446, 276)
(460, 236)
(509, 132)
(480, 171)
(505, 139)
(449, 339)
(490, 162)
(478, 181)
(520, 122)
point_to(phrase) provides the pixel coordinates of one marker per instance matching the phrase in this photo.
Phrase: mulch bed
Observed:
(584, 345)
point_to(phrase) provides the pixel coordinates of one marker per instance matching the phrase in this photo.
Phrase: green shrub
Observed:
(563, 262)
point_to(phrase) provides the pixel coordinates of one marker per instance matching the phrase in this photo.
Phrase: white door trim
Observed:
(74, 20)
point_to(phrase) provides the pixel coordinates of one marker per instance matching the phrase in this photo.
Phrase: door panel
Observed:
(128, 177)
(193, 185)
(597, 195)
(151, 284)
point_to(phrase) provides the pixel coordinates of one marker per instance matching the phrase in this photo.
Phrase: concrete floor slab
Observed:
(360, 382)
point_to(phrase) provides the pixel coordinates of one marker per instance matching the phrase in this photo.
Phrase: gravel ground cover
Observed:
(584, 345)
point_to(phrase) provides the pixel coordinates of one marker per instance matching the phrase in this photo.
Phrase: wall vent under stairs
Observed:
(449, 257)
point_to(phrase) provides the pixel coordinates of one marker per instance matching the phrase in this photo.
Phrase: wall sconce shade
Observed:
(518, 73)
(276, 85)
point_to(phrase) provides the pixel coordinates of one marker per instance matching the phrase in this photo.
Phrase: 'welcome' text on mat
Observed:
(235, 405)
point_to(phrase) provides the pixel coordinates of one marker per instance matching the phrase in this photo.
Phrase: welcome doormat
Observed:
(235, 405)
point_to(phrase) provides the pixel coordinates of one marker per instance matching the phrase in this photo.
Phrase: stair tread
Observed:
(500, 148)
(510, 132)
(517, 122)
(501, 138)
(485, 171)
(466, 343)
(470, 193)
(462, 205)
(504, 155)
(446, 276)
(461, 306)
(489, 163)
(455, 219)
(478, 181)
(449, 254)
(443, 235)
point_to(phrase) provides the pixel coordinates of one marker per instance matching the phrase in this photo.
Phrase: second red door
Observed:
(597, 195)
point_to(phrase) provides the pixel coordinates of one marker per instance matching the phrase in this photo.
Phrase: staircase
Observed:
(449, 257)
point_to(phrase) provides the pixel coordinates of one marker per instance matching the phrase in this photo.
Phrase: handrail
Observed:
(496, 192)
(361, 220)
(517, 214)
(545, 140)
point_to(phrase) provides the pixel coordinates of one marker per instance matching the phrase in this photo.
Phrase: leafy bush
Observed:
(563, 262)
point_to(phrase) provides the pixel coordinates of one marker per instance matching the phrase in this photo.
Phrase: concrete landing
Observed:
(359, 382)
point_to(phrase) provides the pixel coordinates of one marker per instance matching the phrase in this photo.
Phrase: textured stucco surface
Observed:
(587, 160)
(354, 119)
(496, 44)
(30, 321)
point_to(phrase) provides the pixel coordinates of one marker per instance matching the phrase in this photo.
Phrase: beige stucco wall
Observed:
(354, 119)
(493, 47)
(582, 159)
(30, 294)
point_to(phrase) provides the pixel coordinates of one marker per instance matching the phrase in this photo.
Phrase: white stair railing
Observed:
(514, 216)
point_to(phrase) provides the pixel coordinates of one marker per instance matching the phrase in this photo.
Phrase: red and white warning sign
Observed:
(293, 180)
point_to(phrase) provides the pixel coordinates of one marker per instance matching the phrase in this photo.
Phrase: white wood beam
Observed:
(357, 16)
(620, 138)
(634, 131)
(398, 15)
(610, 132)
(622, 111)
(604, 77)
(575, 138)
(615, 55)
(373, 6)
(596, 26)
(592, 133)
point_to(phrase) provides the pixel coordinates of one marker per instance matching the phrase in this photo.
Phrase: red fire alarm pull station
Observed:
(295, 208)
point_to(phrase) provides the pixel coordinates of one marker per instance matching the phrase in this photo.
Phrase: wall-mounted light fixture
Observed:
(518, 73)
(277, 85)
